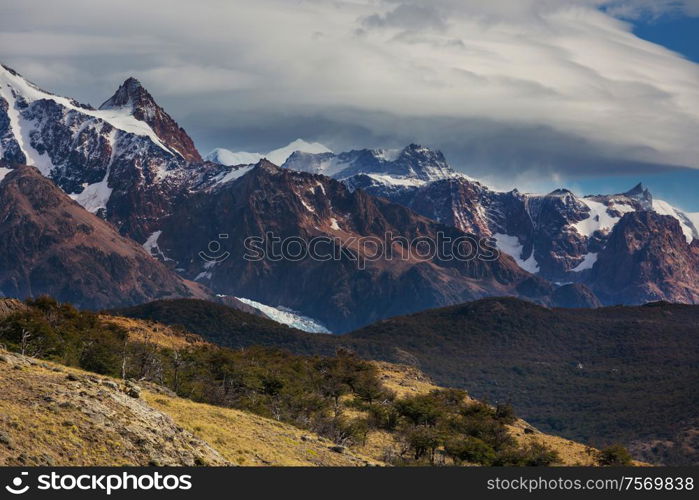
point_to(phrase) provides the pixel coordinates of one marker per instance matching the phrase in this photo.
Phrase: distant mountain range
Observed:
(129, 163)
(277, 156)
(337, 292)
(558, 236)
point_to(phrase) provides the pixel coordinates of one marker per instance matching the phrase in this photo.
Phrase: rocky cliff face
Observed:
(558, 236)
(539, 229)
(647, 258)
(50, 245)
(337, 291)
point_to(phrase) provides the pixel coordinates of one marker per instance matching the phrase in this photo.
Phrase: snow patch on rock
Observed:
(599, 219)
(94, 196)
(235, 173)
(3, 172)
(511, 246)
(587, 262)
(151, 246)
(288, 317)
(689, 228)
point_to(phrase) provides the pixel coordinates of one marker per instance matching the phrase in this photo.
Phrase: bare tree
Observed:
(124, 356)
(176, 364)
(25, 337)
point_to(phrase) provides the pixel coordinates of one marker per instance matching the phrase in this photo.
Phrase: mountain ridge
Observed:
(557, 236)
(120, 167)
(341, 292)
(51, 245)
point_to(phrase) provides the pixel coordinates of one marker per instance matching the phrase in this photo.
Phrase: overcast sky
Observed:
(528, 92)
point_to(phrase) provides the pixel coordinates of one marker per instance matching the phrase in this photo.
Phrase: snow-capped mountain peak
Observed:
(133, 99)
(280, 155)
(638, 189)
(229, 158)
(101, 157)
(277, 156)
(411, 166)
(424, 163)
(642, 195)
(18, 94)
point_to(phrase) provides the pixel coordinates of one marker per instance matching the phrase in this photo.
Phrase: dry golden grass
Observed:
(154, 333)
(48, 419)
(52, 415)
(247, 439)
(570, 452)
(404, 380)
(239, 437)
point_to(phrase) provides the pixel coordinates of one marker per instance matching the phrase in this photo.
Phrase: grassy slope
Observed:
(47, 419)
(628, 374)
(247, 439)
(220, 425)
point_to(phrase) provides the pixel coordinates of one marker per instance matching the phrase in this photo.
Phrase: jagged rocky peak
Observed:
(414, 164)
(424, 163)
(133, 96)
(127, 162)
(638, 190)
(558, 203)
(264, 165)
(566, 196)
(641, 194)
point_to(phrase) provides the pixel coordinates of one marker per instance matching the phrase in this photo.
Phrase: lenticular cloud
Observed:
(567, 75)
